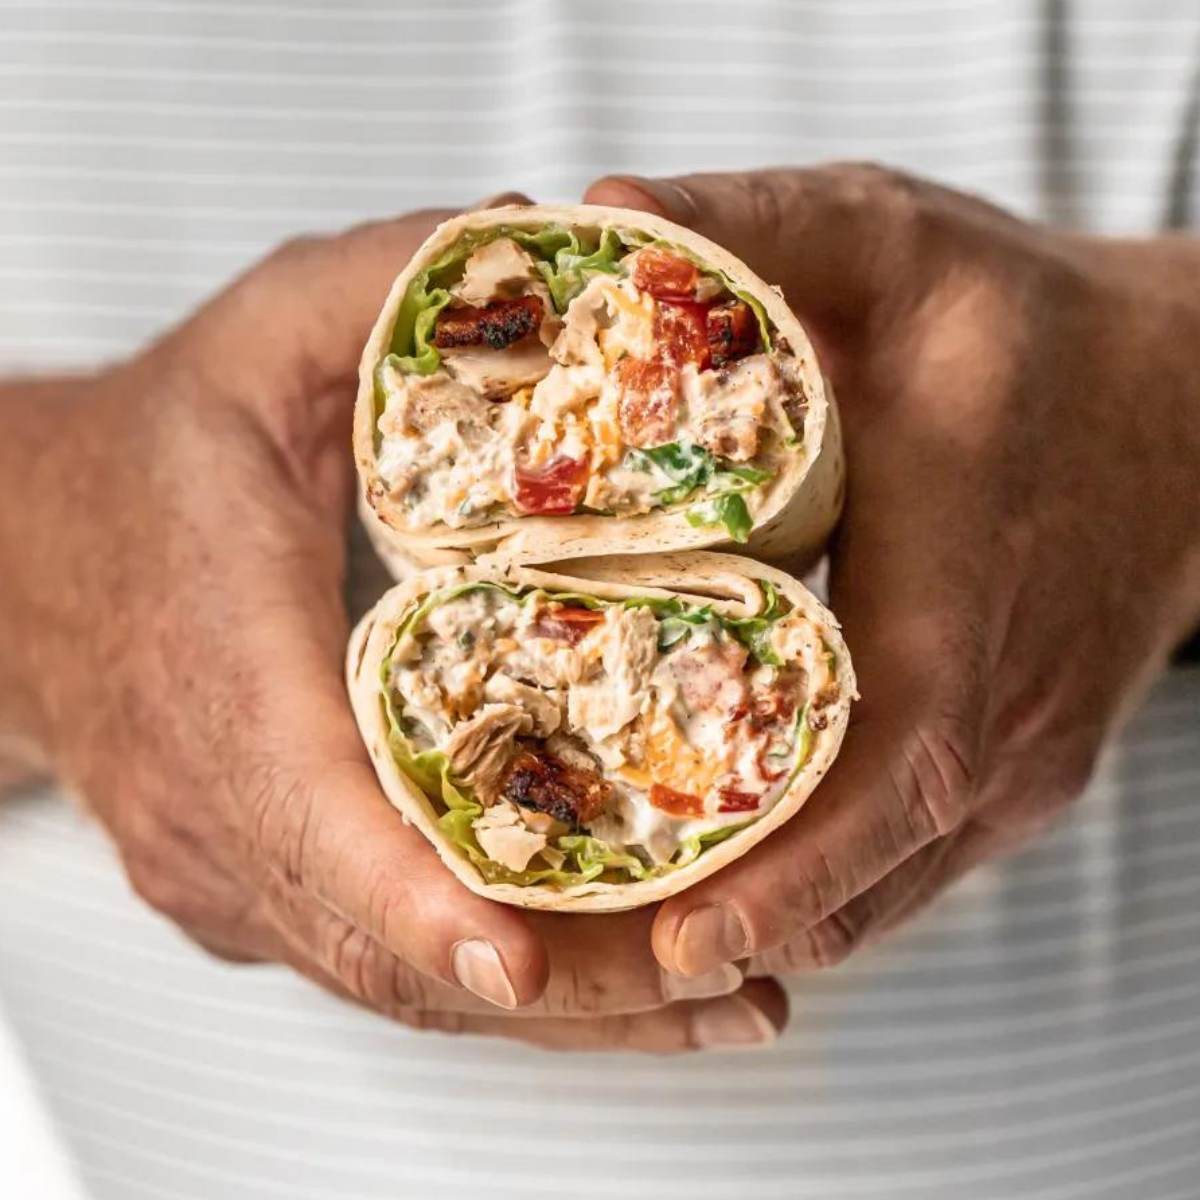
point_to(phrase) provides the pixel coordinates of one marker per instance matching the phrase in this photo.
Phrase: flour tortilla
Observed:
(727, 581)
(795, 511)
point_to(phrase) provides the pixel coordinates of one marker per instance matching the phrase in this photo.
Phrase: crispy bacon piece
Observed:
(539, 780)
(649, 401)
(566, 622)
(665, 276)
(776, 703)
(677, 804)
(732, 800)
(731, 332)
(551, 490)
(497, 325)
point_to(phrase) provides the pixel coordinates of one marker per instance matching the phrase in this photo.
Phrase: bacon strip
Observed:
(497, 325)
(566, 622)
(541, 781)
(732, 332)
(677, 804)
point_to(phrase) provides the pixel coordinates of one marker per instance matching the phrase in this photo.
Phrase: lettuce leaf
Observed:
(690, 468)
(728, 510)
(754, 632)
(568, 274)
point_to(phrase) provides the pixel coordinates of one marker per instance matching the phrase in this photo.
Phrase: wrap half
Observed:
(597, 741)
(556, 382)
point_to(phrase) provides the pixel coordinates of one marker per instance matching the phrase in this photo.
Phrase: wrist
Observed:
(34, 560)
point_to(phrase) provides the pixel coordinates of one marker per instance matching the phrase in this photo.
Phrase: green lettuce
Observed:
(755, 632)
(567, 275)
(729, 510)
(691, 467)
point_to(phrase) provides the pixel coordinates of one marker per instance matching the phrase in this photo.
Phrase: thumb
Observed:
(824, 234)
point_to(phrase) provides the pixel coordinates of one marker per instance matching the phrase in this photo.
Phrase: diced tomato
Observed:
(732, 800)
(680, 333)
(566, 622)
(677, 804)
(553, 489)
(648, 403)
(665, 276)
(731, 331)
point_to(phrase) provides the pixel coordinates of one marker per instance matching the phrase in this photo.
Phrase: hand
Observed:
(1021, 544)
(172, 630)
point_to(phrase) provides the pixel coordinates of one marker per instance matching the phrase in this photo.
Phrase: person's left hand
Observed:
(172, 630)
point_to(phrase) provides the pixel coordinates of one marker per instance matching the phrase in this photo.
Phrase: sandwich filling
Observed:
(564, 371)
(563, 738)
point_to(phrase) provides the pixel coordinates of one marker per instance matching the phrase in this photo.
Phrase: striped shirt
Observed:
(1035, 1037)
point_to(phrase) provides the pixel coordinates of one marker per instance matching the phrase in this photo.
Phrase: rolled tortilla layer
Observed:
(597, 741)
(435, 349)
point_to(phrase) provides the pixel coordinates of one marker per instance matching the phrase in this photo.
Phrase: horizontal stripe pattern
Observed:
(1036, 1036)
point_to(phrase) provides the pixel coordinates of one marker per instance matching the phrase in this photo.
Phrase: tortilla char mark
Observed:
(539, 780)
(498, 324)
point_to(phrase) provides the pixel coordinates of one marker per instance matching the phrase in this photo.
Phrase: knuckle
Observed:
(295, 250)
(934, 778)
(832, 941)
(811, 892)
(372, 973)
(281, 812)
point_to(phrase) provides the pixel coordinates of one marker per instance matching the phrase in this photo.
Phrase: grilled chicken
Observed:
(479, 749)
(540, 706)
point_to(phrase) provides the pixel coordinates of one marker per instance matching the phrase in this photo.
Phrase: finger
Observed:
(915, 591)
(329, 835)
(297, 321)
(610, 970)
(858, 922)
(830, 230)
(500, 200)
(752, 1018)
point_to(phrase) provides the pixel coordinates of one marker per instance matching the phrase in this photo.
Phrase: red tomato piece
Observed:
(566, 622)
(554, 489)
(649, 401)
(680, 333)
(677, 804)
(731, 800)
(665, 276)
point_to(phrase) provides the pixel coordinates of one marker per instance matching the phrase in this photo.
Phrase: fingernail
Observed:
(708, 937)
(670, 198)
(720, 982)
(477, 966)
(731, 1023)
(501, 200)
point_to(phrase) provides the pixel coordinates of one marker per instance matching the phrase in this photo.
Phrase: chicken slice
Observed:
(478, 750)
(420, 403)
(541, 707)
(504, 838)
(726, 407)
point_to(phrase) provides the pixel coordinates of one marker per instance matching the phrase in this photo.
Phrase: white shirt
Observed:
(1035, 1038)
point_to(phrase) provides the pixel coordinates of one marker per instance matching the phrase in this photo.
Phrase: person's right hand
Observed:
(1020, 550)
(171, 638)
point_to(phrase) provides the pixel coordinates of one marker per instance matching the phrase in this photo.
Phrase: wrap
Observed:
(601, 740)
(555, 382)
